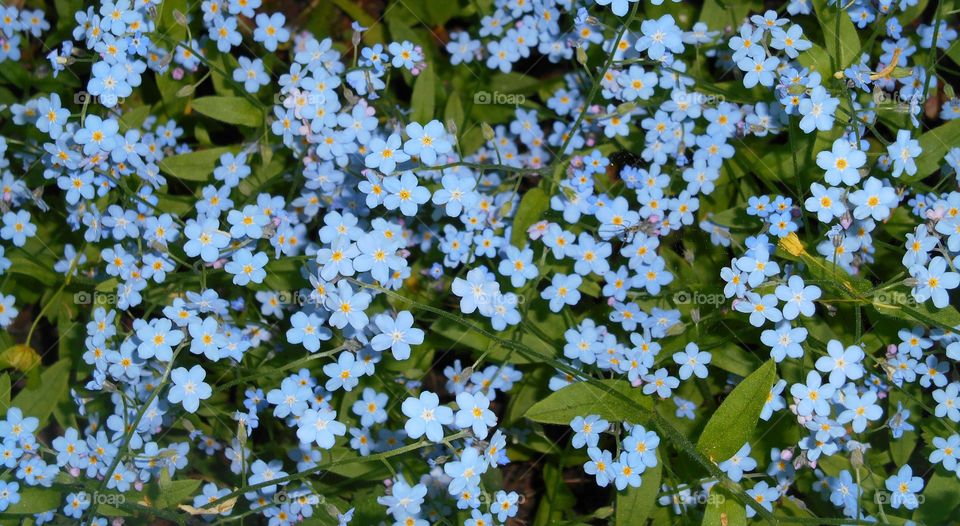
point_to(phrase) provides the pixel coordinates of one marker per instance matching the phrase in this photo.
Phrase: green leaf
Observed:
(935, 144)
(4, 393)
(195, 166)
(843, 46)
(557, 498)
(453, 112)
(613, 400)
(176, 491)
(27, 265)
(134, 118)
(723, 509)
(35, 500)
(423, 102)
(533, 206)
(514, 83)
(40, 401)
(231, 110)
(372, 35)
(635, 504)
(939, 500)
(734, 422)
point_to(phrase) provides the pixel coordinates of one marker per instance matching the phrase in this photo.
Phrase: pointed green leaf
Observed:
(533, 206)
(423, 103)
(231, 110)
(735, 420)
(614, 400)
(39, 401)
(635, 504)
(195, 166)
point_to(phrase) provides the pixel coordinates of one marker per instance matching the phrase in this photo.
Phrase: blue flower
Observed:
(903, 488)
(250, 222)
(465, 471)
(345, 373)
(270, 30)
(842, 163)
(109, 83)
(764, 495)
(307, 329)
(224, 32)
(477, 291)
(425, 416)
(475, 414)
(396, 334)
(814, 396)
(860, 409)
(587, 430)
(740, 463)
(385, 154)
(841, 363)
(189, 388)
(251, 74)
(347, 307)
(9, 494)
(320, 426)
(627, 470)
(948, 402)
(427, 142)
(17, 227)
(660, 382)
(243, 7)
(206, 337)
(205, 239)
(818, 110)
(51, 116)
(903, 153)
(619, 7)
(600, 465)
(371, 407)
(933, 282)
(562, 291)
(97, 135)
(659, 37)
(246, 267)
(404, 54)
(403, 192)
(692, 361)
(874, 200)
(378, 255)
(157, 339)
(784, 341)
(505, 505)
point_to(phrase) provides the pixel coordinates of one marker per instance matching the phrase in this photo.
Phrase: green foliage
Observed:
(735, 421)
(613, 400)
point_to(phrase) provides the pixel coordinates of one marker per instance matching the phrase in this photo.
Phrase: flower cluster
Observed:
(301, 294)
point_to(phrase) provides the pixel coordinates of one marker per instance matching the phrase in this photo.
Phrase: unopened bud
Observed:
(581, 55)
(856, 458)
(487, 131)
(179, 17)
